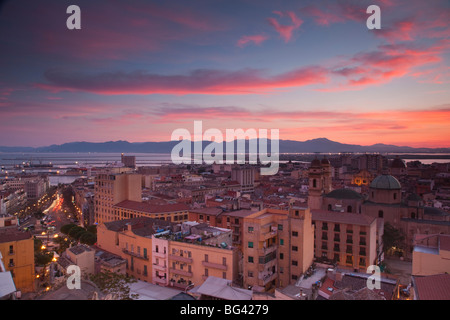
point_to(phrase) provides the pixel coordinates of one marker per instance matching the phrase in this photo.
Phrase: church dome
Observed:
(344, 194)
(386, 182)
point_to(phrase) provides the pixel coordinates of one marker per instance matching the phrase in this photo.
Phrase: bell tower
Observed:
(319, 175)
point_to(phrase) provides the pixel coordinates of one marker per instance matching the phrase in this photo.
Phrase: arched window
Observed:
(349, 208)
(380, 214)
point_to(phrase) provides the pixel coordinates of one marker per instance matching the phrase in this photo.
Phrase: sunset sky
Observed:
(139, 69)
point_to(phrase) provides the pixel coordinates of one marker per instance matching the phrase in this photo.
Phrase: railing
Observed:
(161, 255)
(134, 254)
(181, 272)
(214, 265)
(180, 258)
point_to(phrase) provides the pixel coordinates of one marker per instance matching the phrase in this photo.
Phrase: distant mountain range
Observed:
(320, 145)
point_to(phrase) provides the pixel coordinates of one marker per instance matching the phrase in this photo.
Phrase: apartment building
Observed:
(112, 188)
(277, 247)
(217, 217)
(347, 238)
(17, 249)
(170, 254)
(431, 254)
(175, 212)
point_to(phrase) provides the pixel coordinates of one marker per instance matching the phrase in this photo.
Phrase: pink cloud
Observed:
(256, 39)
(203, 81)
(286, 31)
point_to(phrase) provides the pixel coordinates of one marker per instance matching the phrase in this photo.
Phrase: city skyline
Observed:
(138, 70)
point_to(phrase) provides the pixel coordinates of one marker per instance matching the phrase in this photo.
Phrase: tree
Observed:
(66, 228)
(76, 232)
(115, 284)
(393, 239)
(92, 229)
(88, 238)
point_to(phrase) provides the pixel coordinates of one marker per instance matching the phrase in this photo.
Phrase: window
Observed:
(294, 248)
(206, 272)
(250, 229)
(349, 208)
(145, 252)
(250, 244)
(296, 213)
(250, 274)
(280, 227)
(224, 261)
(395, 195)
(11, 249)
(330, 208)
(206, 258)
(281, 256)
(294, 233)
(250, 259)
(294, 263)
(224, 275)
(281, 242)
(314, 183)
(380, 214)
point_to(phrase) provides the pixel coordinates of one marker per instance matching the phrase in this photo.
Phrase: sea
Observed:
(56, 164)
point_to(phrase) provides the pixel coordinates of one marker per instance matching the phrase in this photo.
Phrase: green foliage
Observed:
(67, 227)
(92, 229)
(392, 238)
(76, 232)
(115, 284)
(88, 238)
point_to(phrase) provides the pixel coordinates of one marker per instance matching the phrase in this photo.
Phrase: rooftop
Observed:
(222, 289)
(12, 234)
(385, 182)
(342, 217)
(434, 287)
(344, 194)
(151, 208)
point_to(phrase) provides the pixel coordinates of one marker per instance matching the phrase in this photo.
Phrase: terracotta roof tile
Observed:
(435, 287)
(151, 208)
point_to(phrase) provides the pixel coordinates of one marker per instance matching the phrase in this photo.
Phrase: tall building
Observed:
(320, 179)
(245, 176)
(128, 161)
(17, 249)
(112, 188)
(349, 239)
(278, 247)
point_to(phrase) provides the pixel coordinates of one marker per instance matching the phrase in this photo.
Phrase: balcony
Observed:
(181, 272)
(161, 280)
(272, 233)
(134, 254)
(214, 265)
(266, 277)
(161, 255)
(159, 267)
(269, 249)
(180, 258)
